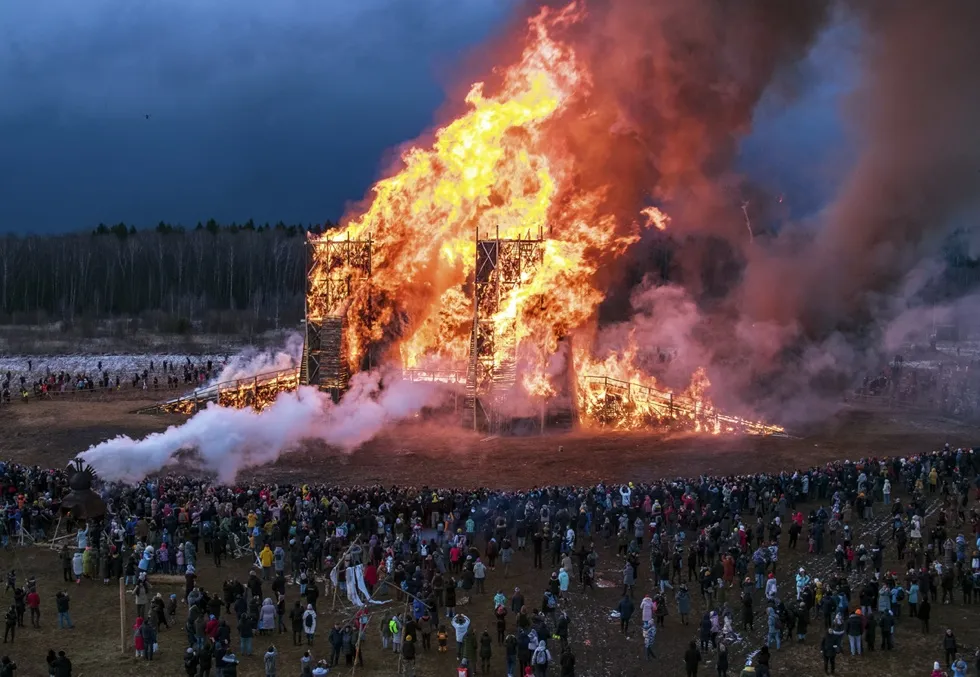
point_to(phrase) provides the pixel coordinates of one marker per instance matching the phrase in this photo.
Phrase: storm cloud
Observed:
(265, 110)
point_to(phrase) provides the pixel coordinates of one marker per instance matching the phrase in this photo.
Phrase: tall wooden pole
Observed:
(122, 615)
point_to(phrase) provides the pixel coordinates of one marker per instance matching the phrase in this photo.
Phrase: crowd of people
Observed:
(949, 386)
(717, 543)
(156, 375)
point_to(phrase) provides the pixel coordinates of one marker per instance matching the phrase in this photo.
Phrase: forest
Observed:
(211, 278)
(247, 278)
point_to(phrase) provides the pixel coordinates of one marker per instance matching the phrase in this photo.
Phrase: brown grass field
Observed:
(51, 433)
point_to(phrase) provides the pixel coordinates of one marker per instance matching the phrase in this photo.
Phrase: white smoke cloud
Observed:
(253, 362)
(226, 441)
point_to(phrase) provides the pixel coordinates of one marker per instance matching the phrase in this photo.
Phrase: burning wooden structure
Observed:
(339, 274)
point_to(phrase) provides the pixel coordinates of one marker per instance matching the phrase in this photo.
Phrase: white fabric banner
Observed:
(362, 586)
(354, 583)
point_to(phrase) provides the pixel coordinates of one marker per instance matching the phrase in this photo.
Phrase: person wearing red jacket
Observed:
(33, 601)
(211, 627)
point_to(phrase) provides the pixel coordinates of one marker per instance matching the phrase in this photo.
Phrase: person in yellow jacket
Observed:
(933, 480)
(265, 557)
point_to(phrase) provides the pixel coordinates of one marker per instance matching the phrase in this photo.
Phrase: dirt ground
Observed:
(51, 433)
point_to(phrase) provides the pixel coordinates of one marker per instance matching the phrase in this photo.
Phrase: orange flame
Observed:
(656, 218)
(493, 170)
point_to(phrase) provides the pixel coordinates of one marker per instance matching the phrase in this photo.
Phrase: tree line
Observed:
(183, 279)
(230, 278)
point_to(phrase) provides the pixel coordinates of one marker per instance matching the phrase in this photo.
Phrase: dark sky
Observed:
(272, 110)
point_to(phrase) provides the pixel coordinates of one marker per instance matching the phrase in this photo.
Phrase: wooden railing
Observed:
(210, 393)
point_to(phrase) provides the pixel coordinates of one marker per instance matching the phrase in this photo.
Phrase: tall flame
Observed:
(493, 170)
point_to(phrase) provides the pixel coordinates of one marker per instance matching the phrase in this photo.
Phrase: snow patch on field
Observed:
(225, 366)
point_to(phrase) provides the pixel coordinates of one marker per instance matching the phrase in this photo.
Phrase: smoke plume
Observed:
(913, 119)
(254, 362)
(781, 320)
(674, 87)
(226, 441)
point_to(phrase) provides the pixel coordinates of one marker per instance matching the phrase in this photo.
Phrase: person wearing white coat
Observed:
(76, 566)
(461, 624)
(309, 623)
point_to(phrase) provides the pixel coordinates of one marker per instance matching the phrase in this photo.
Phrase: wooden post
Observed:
(357, 646)
(405, 614)
(122, 615)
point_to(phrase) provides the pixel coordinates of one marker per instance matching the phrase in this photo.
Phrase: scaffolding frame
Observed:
(502, 265)
(337, 270)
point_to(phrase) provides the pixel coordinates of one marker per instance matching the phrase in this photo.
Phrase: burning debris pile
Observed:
(257, 392)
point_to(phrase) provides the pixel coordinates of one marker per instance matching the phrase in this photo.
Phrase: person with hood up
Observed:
(159, 611)
(77, 566)
(309, 623)
(802, 580)
(271, 659)
(705, 631)
(646, 609)
(925, 610)
(397, 628)
(937, 671)
(625, 609)
(771, 587)
(191, 662)
(470, 647)
(266, 559)
(629, 579)
(683, 603)
(540, 658)
(138, 637)
(649, 636)
(267, 617)
(563, 580)
(486, 651)
(229, 665)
